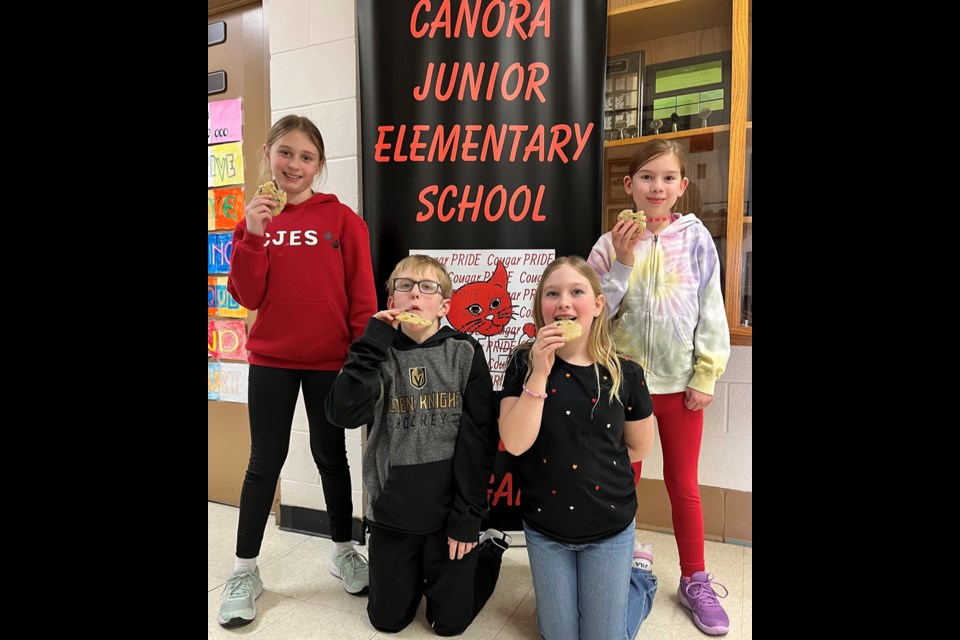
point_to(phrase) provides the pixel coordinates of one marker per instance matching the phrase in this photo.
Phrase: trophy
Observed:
(674, 118)
(704, 114)
(655, 126)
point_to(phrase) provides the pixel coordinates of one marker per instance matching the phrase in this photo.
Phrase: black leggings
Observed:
(405, 567)
(272, 399)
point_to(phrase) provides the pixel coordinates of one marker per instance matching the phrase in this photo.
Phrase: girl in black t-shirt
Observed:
(577, 415)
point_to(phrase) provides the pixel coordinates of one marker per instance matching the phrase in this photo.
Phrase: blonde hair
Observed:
(599, 343)
(419, 263)
(282, 127)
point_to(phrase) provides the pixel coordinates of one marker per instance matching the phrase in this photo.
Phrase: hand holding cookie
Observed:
(260, 210)
(549, 339)
(279, 196)
(626, 234)
(257, 214)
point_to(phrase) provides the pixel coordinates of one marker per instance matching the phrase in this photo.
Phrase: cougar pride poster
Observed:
(493, 293)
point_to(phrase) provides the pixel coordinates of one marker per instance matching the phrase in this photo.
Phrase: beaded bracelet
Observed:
(542, 396)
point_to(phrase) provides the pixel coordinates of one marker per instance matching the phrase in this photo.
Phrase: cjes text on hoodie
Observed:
(310, 279)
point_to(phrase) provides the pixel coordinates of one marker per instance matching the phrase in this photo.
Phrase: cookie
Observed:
(413, 318)
(571, 329)
(631, 215)
(278, 196)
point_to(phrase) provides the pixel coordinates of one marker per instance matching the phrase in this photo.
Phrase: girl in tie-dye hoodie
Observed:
(663, 294)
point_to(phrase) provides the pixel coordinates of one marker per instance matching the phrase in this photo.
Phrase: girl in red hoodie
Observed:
(308, 273)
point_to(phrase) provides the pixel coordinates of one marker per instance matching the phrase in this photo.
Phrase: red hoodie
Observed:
(311, 277)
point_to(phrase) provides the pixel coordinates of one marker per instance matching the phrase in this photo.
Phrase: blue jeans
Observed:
(576, 586)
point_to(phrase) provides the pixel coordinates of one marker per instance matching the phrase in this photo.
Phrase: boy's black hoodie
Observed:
(432, 434)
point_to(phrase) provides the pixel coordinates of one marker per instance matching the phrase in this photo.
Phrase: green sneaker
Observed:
(238, 607)
(353, 571)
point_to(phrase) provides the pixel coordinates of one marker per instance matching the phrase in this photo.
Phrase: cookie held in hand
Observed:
(279, 196)
(571, 330)
(413, 318)
(629, 215)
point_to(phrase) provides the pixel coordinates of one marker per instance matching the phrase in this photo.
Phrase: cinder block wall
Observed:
(313, 72)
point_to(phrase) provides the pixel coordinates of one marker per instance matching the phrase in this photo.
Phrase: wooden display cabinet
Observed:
(686, 35)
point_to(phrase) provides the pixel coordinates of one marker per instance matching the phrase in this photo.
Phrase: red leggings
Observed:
(680, 433)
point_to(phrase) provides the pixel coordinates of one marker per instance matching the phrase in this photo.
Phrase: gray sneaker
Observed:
(497, 537)
(238, 607)
(353, 571)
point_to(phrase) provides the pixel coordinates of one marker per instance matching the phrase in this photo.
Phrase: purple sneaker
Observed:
(697, 595)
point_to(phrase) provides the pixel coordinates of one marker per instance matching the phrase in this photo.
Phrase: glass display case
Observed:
(623, 97)
(694, 89)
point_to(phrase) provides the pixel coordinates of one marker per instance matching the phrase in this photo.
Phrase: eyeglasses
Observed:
(427, 287)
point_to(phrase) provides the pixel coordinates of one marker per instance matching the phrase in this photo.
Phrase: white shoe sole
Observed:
(240, 621)
(719, 630)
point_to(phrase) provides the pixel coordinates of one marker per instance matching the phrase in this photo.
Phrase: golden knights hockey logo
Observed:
(418, 377)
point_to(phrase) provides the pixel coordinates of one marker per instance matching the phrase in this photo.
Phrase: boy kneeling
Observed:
(426, 394)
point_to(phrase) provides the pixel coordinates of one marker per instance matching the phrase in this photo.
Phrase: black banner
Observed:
(482, 129)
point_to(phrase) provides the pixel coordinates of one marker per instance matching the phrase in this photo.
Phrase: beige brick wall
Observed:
(313, 72)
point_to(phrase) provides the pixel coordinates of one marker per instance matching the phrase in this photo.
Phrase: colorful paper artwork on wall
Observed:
(225, 164)
(492, 300)
(224, 121)
(227, 207)
(211, 296)
(219, 250)
(219, 300)
(211, 216)
(226, 336)
(227, 381)
(227, 339)
(226, 305)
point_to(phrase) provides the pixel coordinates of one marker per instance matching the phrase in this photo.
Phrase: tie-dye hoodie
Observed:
(667, 310)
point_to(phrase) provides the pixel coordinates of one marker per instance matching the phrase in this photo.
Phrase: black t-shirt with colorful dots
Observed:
(576, 483)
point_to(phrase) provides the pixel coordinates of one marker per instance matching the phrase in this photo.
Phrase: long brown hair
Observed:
(599, 343)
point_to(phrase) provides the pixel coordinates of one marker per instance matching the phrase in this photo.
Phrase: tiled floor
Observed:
(302, 600)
